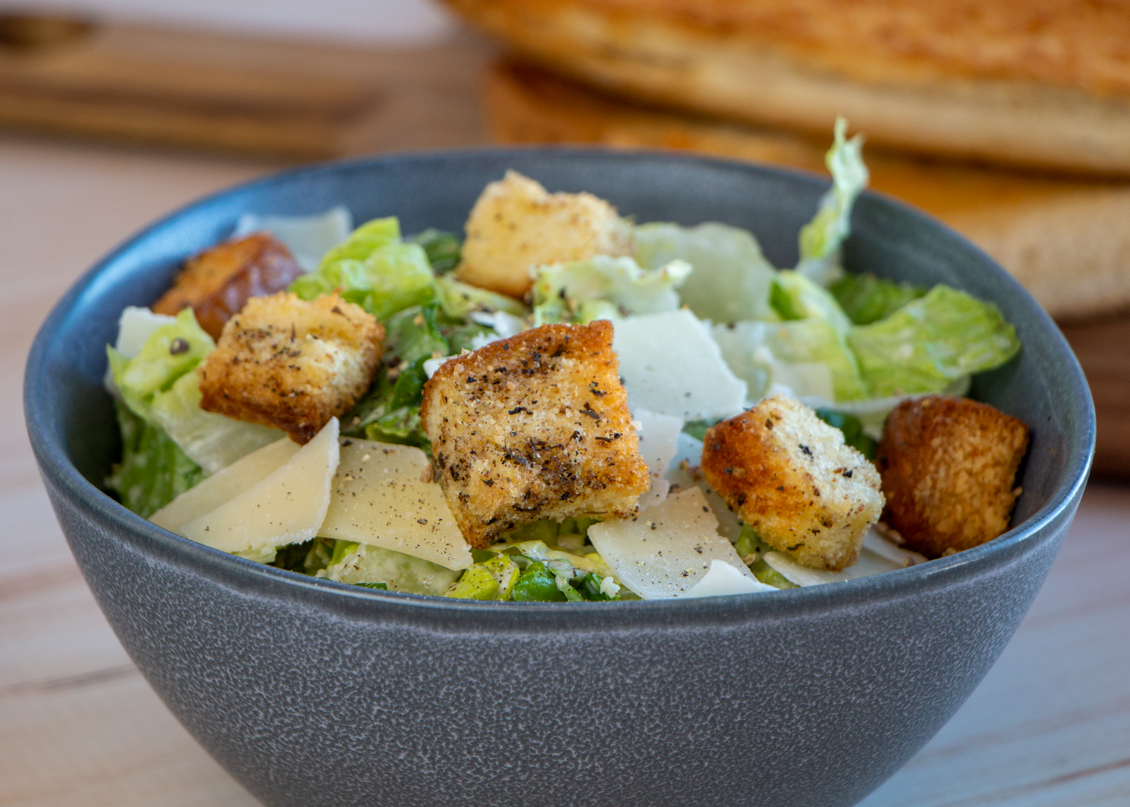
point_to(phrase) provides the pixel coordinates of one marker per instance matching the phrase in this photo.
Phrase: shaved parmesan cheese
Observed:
(135, 327)
(307, 237)
(224, 485)
(686, 473)
(666, 549)
(722, 579)
(671, 365)
(383, 496)
(868, 564)
(884, 547)
(286, 507)
(659, 442)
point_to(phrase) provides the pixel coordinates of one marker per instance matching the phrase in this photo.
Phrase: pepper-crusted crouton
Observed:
(949, 469)
(292, 364)
(218, 281)
(516, 224)
(531, 427)
(792, 479)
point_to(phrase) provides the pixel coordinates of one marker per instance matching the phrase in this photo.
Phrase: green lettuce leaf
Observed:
(821, 238)
(808, 356)
(370, 566)
(460, 299)
(373, 269)
(153, 470)
(732, 278)
(866, 298)
(605, 288)
(931, 342)
(211, 440)
(794, 296)
(443, 249)
(170, 352)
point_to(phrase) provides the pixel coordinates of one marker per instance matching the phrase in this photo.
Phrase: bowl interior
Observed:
(70, 417)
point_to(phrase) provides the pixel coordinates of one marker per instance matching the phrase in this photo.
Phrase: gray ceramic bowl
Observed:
(316, 693)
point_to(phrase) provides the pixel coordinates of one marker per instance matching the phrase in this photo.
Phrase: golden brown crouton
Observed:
(792, 479)
(292, 364)
(516, 224)
(218, 281)
(949, 469)
(531, 427)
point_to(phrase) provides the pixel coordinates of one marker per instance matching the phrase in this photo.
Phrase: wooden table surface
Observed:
(1050, 725)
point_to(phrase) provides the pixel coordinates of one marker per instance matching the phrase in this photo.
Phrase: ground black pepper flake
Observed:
(179, 346)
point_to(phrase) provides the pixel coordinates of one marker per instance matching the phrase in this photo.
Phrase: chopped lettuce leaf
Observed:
(390, 410)
(866, 298)
(852, 428)
(461, 299)
(365, 565)
(932, 341)
(821, 239)
(212, 441)
(170, 352)
(491, 579)
(605, 288)
(153, 470)
(308, 238)
(373, 269)
(731, 279)
(806, 356)
(444, 250)
(794, 296)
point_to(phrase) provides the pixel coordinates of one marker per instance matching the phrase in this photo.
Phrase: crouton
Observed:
(531, 427)
(790, 477)
(292, 364)
(516, 224)
(217, 282)
(949, 468)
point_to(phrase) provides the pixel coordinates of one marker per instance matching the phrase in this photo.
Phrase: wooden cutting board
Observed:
(179, 87)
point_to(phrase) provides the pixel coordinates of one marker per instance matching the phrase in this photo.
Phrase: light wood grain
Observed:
(209, 90)
(1050, 725)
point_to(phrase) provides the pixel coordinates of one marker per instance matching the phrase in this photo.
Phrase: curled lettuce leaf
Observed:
(794, 296)
(443, 249)
(373, 269)
(605, 288)
(931, 342)
(821, 238)
(153, 470)
(866, 298)
(732, 278)
(170, 352)
(806, 356)
(460, 299)
(375, 567)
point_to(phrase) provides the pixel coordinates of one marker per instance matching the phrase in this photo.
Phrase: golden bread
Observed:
(1064, 239)
(1035, 84)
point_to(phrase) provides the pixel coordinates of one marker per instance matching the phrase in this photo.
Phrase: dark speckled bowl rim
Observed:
(232, 571)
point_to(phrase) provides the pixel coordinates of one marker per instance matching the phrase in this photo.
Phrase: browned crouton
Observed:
(292, 364)
(949, 469)
(792, 479)
(218, 281)
(516, 224)
(531, 427)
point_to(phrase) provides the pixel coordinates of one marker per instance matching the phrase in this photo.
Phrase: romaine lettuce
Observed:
(731, 279)
(373, 269)
(821, 238)
(866, 298)
(930, 342)
(153, 470)
(605, 288)
(794, 296)
(365, 565)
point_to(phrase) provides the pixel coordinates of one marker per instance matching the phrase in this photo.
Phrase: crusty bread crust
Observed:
(532, 427)
(1034, 225)
(218, 281)
(1044, 84)
(949, 470)
(292, 364)
(792, 479)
